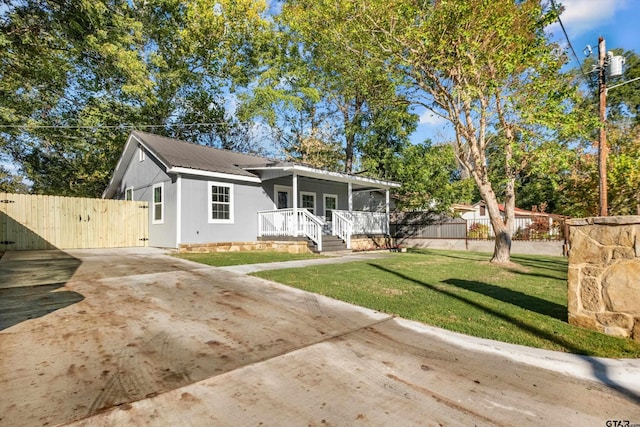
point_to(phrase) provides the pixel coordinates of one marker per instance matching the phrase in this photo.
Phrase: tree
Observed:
(567, 177)
(486, 67)
(430, 178)
(313, 87)
(78, 76)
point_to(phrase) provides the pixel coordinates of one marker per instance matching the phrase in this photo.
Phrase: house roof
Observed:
(516, 210)
(181, 157)
(174, 153)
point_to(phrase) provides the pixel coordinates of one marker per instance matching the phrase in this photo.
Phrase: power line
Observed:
(113, 126)
(555, 7)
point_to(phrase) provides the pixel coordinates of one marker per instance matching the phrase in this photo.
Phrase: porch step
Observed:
(332, 244)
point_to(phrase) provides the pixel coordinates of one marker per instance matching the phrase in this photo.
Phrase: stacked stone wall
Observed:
(604, 274)
(368, 243)
(292, 247)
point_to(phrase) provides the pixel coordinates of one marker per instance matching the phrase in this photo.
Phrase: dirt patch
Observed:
(391, 292)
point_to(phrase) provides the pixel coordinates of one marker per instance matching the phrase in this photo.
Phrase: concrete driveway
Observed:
(142, 338)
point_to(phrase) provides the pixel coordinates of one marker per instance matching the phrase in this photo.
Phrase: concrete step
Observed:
(329, 244)
(333, 244)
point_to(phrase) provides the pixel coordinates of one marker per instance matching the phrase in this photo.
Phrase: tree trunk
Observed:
(501, 227)
(502, 248)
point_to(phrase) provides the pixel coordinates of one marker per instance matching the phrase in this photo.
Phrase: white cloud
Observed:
(580, 16)
(428, 118)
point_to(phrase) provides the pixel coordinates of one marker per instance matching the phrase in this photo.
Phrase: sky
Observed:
(618, 21)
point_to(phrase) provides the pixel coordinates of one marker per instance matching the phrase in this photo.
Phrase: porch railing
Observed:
(281, 223)
(342, 226)
(369, 222)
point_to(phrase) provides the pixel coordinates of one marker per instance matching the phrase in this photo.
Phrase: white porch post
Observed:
(386, 208)
(350, 192)
(179, 211)
(295, 204)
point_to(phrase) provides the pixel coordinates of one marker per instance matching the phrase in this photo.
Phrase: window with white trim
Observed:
(140, 153)
(308, 201)
(330, 204)
(128, 193)
(220, 203)
(158, 203)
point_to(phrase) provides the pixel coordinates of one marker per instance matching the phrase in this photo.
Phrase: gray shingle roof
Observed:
(176, 153)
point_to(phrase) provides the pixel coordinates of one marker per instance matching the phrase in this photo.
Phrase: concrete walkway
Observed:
(156, 340)
(330, 259)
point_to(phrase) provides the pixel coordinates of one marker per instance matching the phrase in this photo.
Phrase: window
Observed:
(140, 153)
(308, 201)
(220, 202)
(128, 193)
(158, 203)
(330, 204)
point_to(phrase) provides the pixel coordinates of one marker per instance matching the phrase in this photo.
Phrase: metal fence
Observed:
(412, 225)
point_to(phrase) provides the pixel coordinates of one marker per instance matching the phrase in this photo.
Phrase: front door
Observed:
(283, 197)
(330, 203)
(283, 222)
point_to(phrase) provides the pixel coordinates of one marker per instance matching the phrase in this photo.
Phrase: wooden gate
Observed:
(31, 222)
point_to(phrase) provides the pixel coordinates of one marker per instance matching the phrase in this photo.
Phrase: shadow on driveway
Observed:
(30, 283)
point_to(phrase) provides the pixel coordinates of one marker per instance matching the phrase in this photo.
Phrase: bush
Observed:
(478, 231)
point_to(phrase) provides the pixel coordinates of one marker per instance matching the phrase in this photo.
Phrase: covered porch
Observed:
(310, 203)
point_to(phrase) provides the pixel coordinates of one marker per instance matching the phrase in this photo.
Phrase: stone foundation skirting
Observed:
(367, 243)
(604, 275)
(292, 247)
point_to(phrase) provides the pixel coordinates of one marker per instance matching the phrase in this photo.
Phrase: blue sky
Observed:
(618, 21)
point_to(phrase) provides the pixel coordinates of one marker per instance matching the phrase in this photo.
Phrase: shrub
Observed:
(478, 231)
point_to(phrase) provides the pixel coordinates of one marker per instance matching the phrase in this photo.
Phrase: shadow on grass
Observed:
(527, 302)
(600, 370)
(559, 266)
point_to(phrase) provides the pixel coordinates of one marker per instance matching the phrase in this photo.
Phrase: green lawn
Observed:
(461, 291)
(222, 259)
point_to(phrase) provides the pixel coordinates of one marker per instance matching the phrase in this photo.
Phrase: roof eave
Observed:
(331, 176)
(210, 174)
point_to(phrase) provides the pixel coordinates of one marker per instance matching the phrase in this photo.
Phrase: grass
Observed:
(222, 259)
(525, 303)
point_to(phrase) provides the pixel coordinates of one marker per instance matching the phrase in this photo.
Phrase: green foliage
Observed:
(486, 67)
(623, 102)
(478, 231)
(565, 178)
(75, 72)
(430, 178)
(314, 89)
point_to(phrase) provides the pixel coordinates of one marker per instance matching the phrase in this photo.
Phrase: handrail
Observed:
(311, 226)
(283, 222)
(342, 226)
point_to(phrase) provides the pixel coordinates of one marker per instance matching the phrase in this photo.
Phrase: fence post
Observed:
(466, 234)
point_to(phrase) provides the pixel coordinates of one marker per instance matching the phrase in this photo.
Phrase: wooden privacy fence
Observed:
(31, 222)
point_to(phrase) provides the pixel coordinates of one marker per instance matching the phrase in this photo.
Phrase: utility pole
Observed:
(602, 144)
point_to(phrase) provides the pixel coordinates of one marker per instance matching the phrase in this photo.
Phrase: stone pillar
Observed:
(604, 274)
